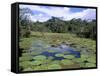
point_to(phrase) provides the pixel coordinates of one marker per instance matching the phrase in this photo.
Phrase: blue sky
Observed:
(44, 13)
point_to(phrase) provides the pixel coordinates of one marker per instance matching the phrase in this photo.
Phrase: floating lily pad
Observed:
(91, 60)
(55, 62)
(79, 60)
(83, 58)
(69, 56)
(26, 54)
(54, 66)
(59, 55)
(90, 65)
(66, 62)
(28, 69)
(25, 64)
(42, 67)
(37, 62)
(25, 58)
(39, 57)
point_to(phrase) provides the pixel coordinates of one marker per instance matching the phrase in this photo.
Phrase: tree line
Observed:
(82, 28)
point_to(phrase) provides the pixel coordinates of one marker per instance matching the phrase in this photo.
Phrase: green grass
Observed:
(56, 38)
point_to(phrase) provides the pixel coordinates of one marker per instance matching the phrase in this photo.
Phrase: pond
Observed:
(42, 48)
(45, 56)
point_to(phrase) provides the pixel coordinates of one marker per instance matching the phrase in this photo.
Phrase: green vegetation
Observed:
(37, 37)
(66, 62)
(69, 56)
(59, 55)
(54, 66)
(37, 61)
(25, 58)
(40, 57)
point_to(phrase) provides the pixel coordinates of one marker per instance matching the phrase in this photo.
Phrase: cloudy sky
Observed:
(44, 13)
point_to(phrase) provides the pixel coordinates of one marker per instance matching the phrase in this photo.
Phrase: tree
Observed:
(24, 23)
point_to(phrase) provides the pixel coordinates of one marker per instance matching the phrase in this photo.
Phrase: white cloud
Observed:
(63, 12)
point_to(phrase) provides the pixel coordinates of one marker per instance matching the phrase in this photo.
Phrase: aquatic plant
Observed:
(54, 66)
(66, 62)
(91, 59)
(26, 54)
(39, 57)
(59, 55)
(36, 62)
(41, 67)
(25, 64)
(69, 56)
(55, 62)
(90, 65)
(25, 58)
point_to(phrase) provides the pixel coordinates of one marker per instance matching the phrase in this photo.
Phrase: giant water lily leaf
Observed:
(25, 64)
(25, 58)
(54, 66)
(59, 55)
(41, 67)
(82, 58)
(67, 62)
(79, 60)
(26, 54)
(55, 62)
(36, 62)
(92, 59)
(90, 65)
(69, 56)
(39, 57)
